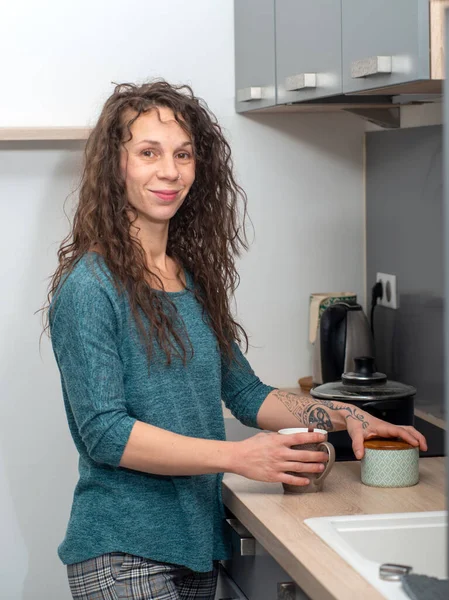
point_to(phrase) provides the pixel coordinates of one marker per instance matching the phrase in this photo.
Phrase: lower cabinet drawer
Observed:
(255, 572)
(227, 589)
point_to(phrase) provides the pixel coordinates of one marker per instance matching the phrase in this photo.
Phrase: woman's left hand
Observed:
(361, 426)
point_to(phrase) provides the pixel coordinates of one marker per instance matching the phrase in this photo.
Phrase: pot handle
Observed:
(383, 404)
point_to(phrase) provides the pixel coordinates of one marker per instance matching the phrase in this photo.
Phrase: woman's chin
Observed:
(159, 216)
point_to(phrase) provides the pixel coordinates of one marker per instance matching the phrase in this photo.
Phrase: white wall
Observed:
(302, 173)
(303, 177)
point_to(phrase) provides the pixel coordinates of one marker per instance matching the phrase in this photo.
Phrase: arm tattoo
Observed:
(318, 413)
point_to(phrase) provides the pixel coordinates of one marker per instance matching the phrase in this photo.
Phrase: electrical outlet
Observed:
(390, 297)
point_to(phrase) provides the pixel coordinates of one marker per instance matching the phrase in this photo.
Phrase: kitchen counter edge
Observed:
(276, 520)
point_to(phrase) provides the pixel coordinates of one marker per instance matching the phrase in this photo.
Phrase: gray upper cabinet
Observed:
(254, 54)
(323, 52)
(385, 43)
(308, 49)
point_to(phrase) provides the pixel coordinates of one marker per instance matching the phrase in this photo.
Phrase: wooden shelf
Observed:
(11, 134)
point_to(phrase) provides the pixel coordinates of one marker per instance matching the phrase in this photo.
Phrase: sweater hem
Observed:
(197, 566)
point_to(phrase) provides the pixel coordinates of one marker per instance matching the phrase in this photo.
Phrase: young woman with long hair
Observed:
(147, 347)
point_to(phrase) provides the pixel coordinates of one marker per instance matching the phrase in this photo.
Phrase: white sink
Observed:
(418, 540)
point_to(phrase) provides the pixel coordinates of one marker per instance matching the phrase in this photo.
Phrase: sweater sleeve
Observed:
(84, 332)
(242, 391)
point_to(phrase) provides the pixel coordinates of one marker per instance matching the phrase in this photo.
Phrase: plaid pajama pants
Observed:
(120, 576)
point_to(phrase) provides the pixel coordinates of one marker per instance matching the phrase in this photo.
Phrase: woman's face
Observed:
(158, 165)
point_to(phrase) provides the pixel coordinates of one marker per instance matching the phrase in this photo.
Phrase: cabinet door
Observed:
(446, 240)
(259, 576)
(254, 54)
(385, 42)
(308, 49)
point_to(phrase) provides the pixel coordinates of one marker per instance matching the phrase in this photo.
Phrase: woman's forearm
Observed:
(154, 450)
(285, 409)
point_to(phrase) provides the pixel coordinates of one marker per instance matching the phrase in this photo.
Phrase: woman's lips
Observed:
(166, 195)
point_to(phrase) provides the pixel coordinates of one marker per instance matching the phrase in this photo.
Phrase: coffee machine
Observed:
(343, 334)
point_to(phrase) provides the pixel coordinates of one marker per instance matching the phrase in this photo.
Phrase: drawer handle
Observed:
(374, 65)
(247, 545)
(286, 591)
(249, 94)
(301, 81)
(393, 572)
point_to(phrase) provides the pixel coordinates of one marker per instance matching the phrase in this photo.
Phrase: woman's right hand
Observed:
(268, 456)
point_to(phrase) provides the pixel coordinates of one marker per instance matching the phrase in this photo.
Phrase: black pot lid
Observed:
(364, 383)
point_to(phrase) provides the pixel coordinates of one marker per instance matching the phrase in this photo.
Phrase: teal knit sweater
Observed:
(106, 387)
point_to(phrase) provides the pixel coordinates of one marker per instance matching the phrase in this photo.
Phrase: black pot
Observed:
(370, 391)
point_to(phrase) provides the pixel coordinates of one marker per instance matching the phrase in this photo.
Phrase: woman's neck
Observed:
(154, 238)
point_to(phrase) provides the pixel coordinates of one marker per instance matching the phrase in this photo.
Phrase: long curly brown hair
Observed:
(205, 235)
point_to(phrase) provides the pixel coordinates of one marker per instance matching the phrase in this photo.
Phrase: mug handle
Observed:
(331, 451)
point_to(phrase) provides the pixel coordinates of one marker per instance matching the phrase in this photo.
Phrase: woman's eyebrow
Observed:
(156, 143)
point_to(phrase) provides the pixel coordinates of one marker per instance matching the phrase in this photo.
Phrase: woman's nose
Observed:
(168, 169)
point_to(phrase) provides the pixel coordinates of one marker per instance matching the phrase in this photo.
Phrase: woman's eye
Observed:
(184, 156)
(148, 153)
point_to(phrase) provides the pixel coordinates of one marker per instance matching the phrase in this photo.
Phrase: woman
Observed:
(147, 347)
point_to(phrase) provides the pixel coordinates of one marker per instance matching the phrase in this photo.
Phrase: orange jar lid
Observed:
(387, 444)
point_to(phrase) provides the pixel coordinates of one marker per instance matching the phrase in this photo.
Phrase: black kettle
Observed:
(343, 334)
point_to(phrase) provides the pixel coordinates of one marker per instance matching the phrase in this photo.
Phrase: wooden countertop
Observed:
(277, 521)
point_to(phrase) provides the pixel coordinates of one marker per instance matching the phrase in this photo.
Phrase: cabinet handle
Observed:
(248, 94)
(286, 591)
(247, 542)
(374, 65)
(300, 82)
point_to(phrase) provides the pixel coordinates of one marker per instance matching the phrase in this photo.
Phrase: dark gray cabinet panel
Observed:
(254, 54)
(446, 250)
(385, 42)
(308, 49)
(259, 576)
(404, 237)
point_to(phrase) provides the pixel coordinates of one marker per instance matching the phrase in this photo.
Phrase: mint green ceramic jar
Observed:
(390, 463)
